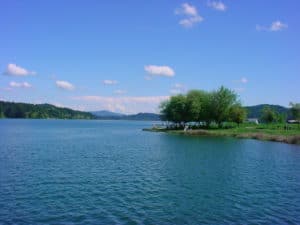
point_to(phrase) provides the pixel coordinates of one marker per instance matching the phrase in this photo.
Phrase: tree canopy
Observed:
(202, 106)
(295, 109)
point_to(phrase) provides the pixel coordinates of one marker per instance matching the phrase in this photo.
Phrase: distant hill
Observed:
(255, 111)
(107, 115)
(40, 111)
(143, 116)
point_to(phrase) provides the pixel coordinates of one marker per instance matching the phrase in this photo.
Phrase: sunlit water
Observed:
(111, 172)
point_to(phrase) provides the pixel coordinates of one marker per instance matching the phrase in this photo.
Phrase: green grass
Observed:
(270, 132)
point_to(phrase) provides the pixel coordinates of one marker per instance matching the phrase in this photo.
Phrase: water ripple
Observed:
(105, 172)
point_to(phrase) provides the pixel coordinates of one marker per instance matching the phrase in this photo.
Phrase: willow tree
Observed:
(222, 100)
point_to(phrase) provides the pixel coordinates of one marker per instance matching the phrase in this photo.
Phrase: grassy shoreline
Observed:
(289, 136)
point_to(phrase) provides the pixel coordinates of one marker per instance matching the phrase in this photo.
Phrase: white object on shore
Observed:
(186, 128)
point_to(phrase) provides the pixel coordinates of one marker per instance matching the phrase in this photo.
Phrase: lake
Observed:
(112, 172)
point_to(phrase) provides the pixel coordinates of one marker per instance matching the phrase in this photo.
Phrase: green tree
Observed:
(295, 110)
(222, 100)
(237, 114)
(268, 115)
(176, 109)
(197, 104)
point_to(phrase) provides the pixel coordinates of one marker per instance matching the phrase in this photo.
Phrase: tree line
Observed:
(218, 106)
(40, 111)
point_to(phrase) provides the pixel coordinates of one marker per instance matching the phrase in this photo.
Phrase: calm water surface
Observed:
(111, 172)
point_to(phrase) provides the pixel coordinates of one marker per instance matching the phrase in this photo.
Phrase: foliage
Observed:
(256, 111)
(201, 106)
(237, 114)
(222, 100)
(295, 110)
(176, 109)
(269, 115)
(41, 111)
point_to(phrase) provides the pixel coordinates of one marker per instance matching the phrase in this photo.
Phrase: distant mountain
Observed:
(143, 116)
(40, 111)
(255, 111)
(106, 113)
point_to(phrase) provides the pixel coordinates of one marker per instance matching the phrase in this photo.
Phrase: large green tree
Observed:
(222, 100)
(176, 109)
(237, 114)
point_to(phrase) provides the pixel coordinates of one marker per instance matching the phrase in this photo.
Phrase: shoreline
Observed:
(288, 139)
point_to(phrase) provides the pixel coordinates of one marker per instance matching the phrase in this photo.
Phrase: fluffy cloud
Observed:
(187, 9)
(217, 5)
(189, 22)
(64, 85)
(191, 15)
(14, 70)
(14, 84)
(159, 70)
(110, 82)
(124, 104)
(275, 26)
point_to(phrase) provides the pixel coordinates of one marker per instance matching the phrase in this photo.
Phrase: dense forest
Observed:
(40, 111)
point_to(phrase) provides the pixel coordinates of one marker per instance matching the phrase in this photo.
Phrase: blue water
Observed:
(111, 172)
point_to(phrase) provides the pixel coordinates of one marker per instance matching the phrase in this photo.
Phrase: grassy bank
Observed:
(274, 132)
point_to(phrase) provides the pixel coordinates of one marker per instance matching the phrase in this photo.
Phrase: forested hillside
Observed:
(256, 111)
(40, 111)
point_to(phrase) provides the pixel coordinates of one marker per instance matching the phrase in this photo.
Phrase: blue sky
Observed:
(127, 56)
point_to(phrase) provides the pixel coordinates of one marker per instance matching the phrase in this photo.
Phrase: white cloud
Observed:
(244, 80)
(120, 92)
(130, 104)
(14, 84)
(159, 70)
(110, 82)
(189, 22)
(191, 15)
(187, 9)
(14, 70)
(217, 5)
(275, 26)
(65, 85)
